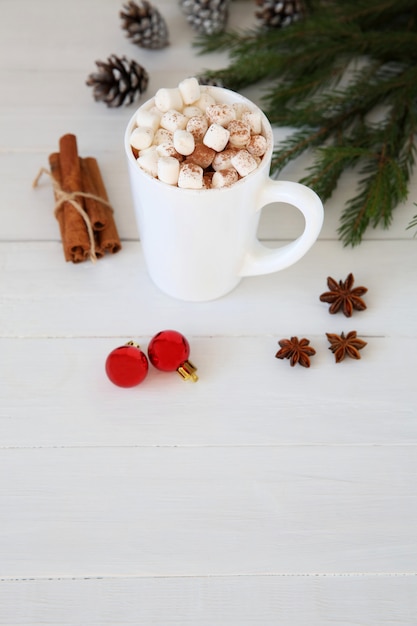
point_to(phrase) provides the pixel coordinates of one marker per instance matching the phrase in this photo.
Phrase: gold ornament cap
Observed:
(187, 371)
(133, 344)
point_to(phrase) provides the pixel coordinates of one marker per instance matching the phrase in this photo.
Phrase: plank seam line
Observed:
(406, 444)
(213, 576)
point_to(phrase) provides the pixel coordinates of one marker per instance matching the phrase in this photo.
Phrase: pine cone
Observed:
(118, 80)
(206, 16)
(144, 25)
(272, 14)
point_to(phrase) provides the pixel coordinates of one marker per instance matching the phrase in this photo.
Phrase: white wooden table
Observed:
(263, 494)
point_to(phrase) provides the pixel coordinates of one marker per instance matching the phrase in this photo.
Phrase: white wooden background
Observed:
(263, 494)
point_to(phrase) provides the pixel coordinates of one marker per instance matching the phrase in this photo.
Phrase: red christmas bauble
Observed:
(127, 366)
(168, 350)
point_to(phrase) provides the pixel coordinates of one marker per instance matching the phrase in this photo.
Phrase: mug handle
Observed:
(262, 260)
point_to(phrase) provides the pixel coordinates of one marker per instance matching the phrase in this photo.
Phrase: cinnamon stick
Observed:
(82, 207)
(55, 168)
(77, 242)
(97, 211)
(108, 237)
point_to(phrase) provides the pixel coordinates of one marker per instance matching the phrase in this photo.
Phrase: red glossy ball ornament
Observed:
(169, 351)
(127, 366)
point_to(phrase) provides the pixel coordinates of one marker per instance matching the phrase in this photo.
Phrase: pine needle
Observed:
(331, 75)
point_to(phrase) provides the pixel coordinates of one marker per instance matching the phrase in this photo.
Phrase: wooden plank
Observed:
(91, 38)
(42, 114)
(184, 511)
(117, 298)
(264, 494)
(211, 601)
(35, 207)
(54, 392)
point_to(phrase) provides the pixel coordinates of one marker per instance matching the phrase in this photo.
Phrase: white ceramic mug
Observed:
(199, 244)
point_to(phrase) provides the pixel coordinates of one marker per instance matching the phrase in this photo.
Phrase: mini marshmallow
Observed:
(149, 151)
(192, 111)
(149, 118)
(163, 136)
(148, 161)
(184, 142)
(224, 178)
(190, 176)
(220, 114)
(166, 99)
(216, 137)
(197, 126)
(141, 137)
(240, 108)
(202, 155)
(257, 145)
(189, 90)
(244, 162)
(239, 133)
(204, 101)
(168, 149)
(168, 170)
(254, 120)
(223, 160)
(173, 120)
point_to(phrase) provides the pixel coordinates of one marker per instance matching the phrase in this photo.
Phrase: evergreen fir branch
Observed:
(329, 165)
(382, 15)
(380, 191)
(386, 175)
(224, 40)
(296, 102)
(288, 94)
(328, 74)
(294, 146)
(413, 223)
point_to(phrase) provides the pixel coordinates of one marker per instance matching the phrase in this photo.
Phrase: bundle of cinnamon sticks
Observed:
(85, 217)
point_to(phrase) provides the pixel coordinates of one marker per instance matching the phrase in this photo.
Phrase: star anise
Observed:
(298, 351)
(343, 296)
(342, 346)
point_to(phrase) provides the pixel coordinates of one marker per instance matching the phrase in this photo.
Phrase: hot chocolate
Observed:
(185, 138)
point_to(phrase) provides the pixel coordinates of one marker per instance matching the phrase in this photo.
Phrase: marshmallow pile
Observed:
(187, 139)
